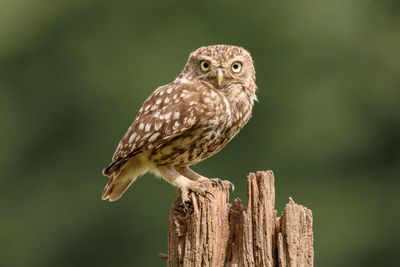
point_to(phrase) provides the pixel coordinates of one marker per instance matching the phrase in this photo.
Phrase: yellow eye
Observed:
(205, 65)
(237, 67)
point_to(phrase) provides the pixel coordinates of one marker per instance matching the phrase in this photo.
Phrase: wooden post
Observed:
(212, 232)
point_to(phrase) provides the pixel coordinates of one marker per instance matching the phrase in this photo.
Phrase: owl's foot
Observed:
(199, 187)
(188, 173)
(223, 183)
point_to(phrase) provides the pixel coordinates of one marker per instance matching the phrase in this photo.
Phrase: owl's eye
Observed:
(205, 65)
(237, 67)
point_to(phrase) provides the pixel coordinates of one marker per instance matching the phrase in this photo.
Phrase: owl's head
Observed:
(221, 66)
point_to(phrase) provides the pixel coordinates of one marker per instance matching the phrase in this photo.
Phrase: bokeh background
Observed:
(74, 73)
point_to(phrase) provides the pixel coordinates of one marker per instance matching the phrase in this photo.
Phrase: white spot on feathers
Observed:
(167, 116)
(227, 107)
(207, 100)
(181, 80)
(132, 138)
(141, 126)
(154, 137)
(176, 125)
(157, 126)
(191, 120)
(176, 115)
(148, 125)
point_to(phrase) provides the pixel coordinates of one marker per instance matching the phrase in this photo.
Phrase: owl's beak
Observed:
(220, 76)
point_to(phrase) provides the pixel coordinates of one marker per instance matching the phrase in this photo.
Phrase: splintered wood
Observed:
(212, 232)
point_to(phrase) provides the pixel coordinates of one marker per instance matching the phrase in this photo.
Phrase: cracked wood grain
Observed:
(213, 232)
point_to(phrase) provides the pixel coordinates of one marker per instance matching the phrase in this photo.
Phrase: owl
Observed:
(186, 121)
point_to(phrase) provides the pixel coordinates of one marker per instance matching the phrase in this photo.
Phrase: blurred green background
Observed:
(73, 75)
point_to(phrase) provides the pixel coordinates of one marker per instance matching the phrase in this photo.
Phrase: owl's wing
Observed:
(168, 112)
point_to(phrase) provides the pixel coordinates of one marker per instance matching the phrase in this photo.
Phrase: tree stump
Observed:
(212, 232)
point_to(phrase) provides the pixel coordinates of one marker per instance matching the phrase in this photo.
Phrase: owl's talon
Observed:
(232, 186)
(184, 201)
(208, 192)
(218, 181)
(184, 196)
(194, 187)
(222, 183)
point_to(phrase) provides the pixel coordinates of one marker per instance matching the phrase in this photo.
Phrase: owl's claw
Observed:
(218, 181)
(196, 187)
(231, 185)
(208, 192)
(222, 183)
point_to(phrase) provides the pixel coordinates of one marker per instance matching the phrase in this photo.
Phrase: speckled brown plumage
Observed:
(186, 121)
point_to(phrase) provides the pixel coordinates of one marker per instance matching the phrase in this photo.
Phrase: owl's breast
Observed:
(215, 127)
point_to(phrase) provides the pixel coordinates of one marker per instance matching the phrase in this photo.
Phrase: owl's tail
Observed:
(120, 180)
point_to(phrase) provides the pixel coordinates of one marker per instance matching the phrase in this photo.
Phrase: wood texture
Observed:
(295, 239)
(212, 232)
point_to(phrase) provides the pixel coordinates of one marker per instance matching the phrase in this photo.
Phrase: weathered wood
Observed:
(198, 236)
(295, 240)
(212, 232)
